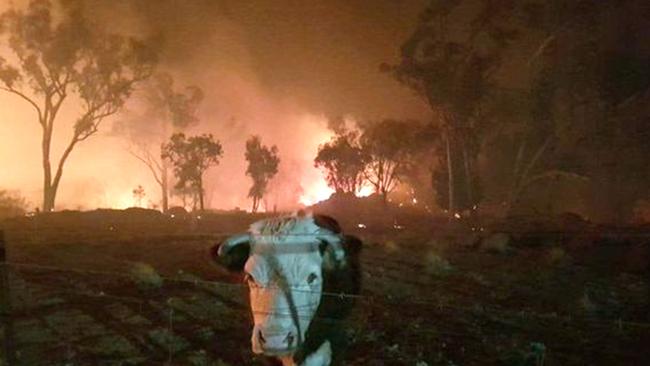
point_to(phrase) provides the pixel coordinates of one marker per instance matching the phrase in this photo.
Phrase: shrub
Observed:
(145, 276)
(440, 244)
(391, 245)
(641, 212)
(497, 243)
(533, 355)
(557, 256)
(437, 265)
(12, 204)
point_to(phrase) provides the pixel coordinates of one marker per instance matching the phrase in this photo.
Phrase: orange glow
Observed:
(320, 191)
(316, 193)
(122, 201)
(315, 188)
(245, 95)
(365, 190)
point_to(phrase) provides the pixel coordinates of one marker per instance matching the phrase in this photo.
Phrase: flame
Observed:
(317, 192)
(120, 200)
(320, 191)
(365, 191)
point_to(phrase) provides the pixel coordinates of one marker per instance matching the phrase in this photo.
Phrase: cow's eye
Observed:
(311, 278)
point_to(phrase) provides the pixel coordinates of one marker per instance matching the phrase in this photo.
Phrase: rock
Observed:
(497, 243)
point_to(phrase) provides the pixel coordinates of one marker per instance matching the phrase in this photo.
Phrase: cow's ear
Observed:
(327, 222)
(232, 253)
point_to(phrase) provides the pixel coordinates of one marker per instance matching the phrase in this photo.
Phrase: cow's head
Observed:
(285, 262)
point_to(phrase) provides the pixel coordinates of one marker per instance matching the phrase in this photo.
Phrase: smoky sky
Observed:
(324, 55)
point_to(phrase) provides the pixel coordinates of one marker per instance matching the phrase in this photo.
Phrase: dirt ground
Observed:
(137, 288)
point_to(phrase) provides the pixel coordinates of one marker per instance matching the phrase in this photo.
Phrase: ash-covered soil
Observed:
(137, 287)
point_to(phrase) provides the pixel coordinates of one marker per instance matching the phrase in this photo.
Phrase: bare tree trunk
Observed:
(515, 174)
(164, 172)
(468, 175)
(522, 180)
(201, 193)
(48, 201)
(54, 185)
(164, 187)
(450, 175)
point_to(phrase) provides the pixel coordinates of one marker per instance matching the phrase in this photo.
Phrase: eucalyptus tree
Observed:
(68, 60)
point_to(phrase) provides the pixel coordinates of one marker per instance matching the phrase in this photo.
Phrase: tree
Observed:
(184, 193)
(262, 167)
(387, 146)
(191, 157)
(572, 108)
(593, 66)
(138, 195)
(453, 70)
(58, 61)
(343, 160)
(166, 110)
(578, 118)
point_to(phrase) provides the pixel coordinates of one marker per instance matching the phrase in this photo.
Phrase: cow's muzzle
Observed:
(274, 343)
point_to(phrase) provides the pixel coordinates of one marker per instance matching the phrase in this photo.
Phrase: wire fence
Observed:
(374, 298)
(169, 319)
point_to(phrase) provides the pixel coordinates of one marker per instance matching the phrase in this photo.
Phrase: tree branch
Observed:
(520, 154)
(64, 157)
(149, 165)
(535, 158)
(16, 92)
(549, 174)
(541, 48)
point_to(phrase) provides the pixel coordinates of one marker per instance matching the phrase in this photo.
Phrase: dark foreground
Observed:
(135, 288)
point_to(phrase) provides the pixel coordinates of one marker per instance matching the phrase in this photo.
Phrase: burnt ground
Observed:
(136, 288)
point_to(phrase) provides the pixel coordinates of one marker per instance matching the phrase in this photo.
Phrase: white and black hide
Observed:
(293, 265)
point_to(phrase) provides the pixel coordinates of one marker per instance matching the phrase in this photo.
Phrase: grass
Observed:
(436, 265)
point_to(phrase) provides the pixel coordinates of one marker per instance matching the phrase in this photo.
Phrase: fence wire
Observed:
(383, 299)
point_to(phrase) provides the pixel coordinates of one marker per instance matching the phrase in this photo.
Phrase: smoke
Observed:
(279, 69)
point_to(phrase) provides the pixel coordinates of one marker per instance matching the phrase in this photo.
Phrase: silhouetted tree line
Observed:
(525, 95)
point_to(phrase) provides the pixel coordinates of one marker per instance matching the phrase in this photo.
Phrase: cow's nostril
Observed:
(290, 338)
(262, 339)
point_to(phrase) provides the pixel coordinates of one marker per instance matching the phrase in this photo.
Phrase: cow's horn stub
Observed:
(233, 252)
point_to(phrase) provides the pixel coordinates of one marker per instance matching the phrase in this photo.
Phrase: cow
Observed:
(295, 265)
